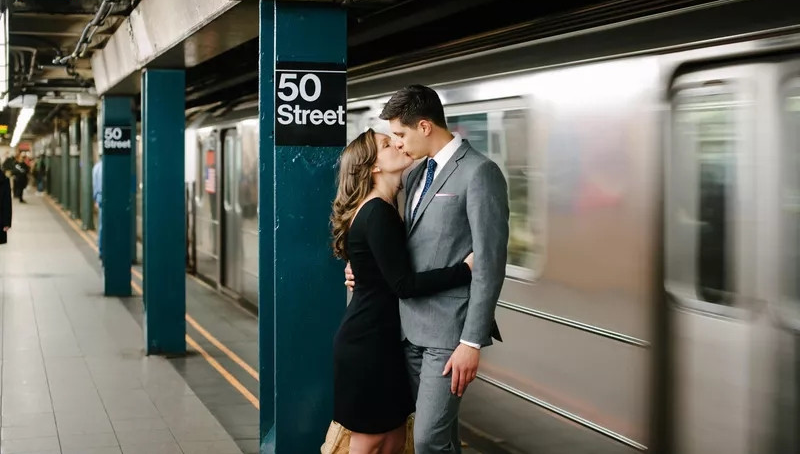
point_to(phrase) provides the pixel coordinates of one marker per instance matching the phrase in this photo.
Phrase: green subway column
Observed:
(302, 64)
(163, 209)
(63, 140)
(74, 169)
(133, 191)
(48, 160)
(55, 163)
(87, 163)
(118, 142)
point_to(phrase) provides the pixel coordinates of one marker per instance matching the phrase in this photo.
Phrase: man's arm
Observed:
(487, 212)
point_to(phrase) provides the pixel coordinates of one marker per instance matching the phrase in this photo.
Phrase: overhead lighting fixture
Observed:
(22, 122)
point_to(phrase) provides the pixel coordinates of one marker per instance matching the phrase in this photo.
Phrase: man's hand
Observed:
(349, 278)
(464, 364)
(5, 229)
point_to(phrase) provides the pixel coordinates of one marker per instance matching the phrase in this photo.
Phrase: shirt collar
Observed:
(445, 154)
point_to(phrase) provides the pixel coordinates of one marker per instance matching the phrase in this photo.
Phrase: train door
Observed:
(732, 242)
(206, 212)
(231, 228)
(785, 389)
(247, 208)
(709, 254)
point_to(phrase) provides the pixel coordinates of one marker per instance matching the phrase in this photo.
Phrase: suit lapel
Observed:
(437, 184)
(414, 178)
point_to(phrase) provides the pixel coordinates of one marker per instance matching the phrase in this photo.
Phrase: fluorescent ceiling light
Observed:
(22, 122)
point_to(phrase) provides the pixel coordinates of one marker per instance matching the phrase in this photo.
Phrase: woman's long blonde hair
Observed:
(355, 183)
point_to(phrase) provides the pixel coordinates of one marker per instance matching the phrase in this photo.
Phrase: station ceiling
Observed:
(47, 56)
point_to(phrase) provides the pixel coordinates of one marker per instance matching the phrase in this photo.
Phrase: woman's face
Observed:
(390, 159)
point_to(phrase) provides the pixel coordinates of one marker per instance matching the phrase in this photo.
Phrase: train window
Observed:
(501, 131)
(704, 175)
(352, 127)
(362, 118)
(790, 195)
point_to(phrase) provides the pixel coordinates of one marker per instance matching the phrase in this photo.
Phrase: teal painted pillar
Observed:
(63, 141)
(87, 162)
(303, 47)
(266, 222)
(58, 165)
(163, 207)
(117, 140)
(56, 145)
(133, 189)
(74, 170)
(47, 164)
(51, 174)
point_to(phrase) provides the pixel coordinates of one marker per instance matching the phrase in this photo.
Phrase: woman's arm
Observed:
(387, 240)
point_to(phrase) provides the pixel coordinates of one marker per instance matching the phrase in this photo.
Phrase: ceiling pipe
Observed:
(52, 113)
(91, 28)
(33, 52)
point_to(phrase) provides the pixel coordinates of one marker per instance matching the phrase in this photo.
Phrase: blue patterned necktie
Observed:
(428, 181)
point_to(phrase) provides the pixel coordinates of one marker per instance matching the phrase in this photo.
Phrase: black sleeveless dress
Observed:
(372, 391)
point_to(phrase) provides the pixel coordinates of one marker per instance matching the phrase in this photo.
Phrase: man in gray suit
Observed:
(456, 203)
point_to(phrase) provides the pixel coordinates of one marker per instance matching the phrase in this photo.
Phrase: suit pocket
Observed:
(445, 199)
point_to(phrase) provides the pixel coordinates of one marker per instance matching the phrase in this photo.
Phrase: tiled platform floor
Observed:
(51, 274)
(74, 376)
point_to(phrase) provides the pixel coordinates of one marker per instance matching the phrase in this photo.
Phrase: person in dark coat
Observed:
(21, 171)
(5, 207)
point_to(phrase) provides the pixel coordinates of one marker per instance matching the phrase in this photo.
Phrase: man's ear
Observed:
(426, 127)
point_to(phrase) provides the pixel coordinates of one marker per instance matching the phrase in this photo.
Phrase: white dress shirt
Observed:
(442, 158)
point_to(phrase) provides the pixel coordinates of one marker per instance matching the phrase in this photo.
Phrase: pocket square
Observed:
(443, 194)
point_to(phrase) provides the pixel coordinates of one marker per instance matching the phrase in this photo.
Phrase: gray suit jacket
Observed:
(465, 210)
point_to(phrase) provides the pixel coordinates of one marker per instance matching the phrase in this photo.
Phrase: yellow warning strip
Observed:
(216, 342)
(210, 359)
(222, 347)
(216, 365)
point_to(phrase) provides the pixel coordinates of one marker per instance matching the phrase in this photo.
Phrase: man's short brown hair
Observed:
(414, 103)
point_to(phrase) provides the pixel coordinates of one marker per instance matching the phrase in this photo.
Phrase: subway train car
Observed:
(652, 292)
(222, 202)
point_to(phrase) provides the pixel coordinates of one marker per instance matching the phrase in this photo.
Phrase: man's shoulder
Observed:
(472, 160)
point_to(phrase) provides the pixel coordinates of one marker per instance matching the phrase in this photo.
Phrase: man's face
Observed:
(412, 140)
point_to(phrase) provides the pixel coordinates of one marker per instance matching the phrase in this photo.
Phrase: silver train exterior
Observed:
(652, 298)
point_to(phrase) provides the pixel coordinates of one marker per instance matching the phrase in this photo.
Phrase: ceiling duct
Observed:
(164, 31)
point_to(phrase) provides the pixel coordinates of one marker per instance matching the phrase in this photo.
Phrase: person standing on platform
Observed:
(457, 201)
(372, 393)
(97, 195)
(39, 172)
(8, 163)
(5, 207)
(21, 171)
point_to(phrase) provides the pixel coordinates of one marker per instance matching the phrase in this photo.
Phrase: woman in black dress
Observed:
(372, 393)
